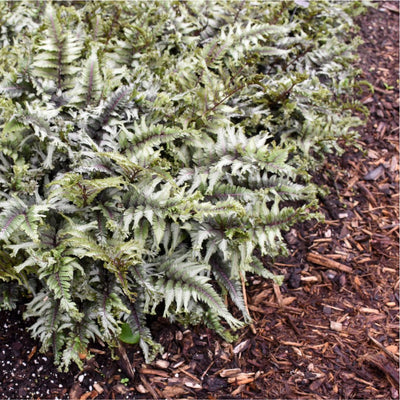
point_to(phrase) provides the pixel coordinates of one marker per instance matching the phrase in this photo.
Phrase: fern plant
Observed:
(149, 148)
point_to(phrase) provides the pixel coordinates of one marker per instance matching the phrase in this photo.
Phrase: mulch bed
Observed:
(331, 331)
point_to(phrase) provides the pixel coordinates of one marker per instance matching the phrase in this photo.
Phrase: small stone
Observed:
(331, 274)
(328, 233)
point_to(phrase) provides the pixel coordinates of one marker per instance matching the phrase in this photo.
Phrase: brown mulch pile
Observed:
(331, 331)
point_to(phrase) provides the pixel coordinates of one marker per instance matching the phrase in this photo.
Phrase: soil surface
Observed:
(331, 331)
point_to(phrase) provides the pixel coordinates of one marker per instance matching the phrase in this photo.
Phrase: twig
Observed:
(389, 353)
(150, 371)
(326, 262)
(278, 294)
(206, 371)
(150, 389)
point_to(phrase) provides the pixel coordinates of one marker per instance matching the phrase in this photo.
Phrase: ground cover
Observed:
(330, 331)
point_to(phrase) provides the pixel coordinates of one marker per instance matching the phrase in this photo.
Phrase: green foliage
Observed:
(147, 150)
(127, 336)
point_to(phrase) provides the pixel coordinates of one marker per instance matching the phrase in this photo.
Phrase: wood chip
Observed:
(296, 344)
(278, 294)
(192, 384)
(149, 388)
(163, 364)
(173, 391)
(368, 310)
(125, 362)
(189, 375)
(391, 7)
(230, 372)
(151, 371)
(375, 174)
(336, 326)
(239, 390)
(328, 263)
(32, 353)
(141, 389)
(241, 347)
(98, 388)
(85, 396)
(241, 377)
(97, 351)
(119, 388)
(381, 362)
(75, 391)
(367, 193)
(309, 279)
(288, 300)
(393, 356)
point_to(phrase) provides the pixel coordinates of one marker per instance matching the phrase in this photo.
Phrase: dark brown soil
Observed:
(331, 331)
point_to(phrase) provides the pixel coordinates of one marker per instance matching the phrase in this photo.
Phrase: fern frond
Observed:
(77, 342)
(58, 272)
(117, 256)
(10, 295)
(131, 167)
(11, 87)
(223, 191)
(89, 91)
(51, 323)
(233, 287)
(272, 187)
(192, 284)
(137, 322)
(7, 270)
(257, 267)
(112, 108)
(144, 136)
(80, 191)
(16, 215)
(57, 53)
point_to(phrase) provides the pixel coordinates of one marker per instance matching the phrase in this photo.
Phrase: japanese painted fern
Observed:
(149, 148)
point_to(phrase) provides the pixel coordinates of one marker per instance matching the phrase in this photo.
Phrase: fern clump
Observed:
(149, 148)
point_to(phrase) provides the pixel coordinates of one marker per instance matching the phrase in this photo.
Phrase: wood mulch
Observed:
(331, 331)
